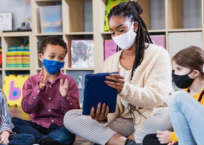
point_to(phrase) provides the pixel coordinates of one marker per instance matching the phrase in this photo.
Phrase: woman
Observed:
(143, 85)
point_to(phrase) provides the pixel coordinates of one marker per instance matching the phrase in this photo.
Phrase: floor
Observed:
(18, 112)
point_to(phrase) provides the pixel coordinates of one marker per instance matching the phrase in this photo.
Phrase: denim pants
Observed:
(55, 132)
(187, 117)
(21, 139)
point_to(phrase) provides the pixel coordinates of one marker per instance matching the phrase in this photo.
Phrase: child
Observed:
(186, 112)
(47, 96)
(6, 127)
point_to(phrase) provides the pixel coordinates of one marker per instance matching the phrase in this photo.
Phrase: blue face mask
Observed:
(52, 66)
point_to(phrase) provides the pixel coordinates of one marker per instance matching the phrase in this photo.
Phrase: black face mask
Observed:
(183, 81)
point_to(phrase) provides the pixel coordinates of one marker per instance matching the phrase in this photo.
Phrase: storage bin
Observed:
(159, 40)
(51, 19)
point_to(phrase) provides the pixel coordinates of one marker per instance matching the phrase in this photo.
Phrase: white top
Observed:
(126, 74)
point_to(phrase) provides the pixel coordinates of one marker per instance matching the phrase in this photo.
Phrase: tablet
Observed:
(96, 90)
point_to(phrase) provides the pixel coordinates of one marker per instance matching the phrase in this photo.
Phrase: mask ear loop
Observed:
(190, 72)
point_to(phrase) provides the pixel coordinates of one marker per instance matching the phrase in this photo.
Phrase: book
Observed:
(109, 5)
(82, 53)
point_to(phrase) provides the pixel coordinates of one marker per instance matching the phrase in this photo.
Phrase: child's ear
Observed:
(40, 57)
(196, 73)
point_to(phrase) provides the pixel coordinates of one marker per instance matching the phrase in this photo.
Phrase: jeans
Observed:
(55, 132)
(21, 139)
(187, 116)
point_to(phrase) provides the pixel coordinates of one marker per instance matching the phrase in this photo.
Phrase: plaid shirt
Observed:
(5, 119)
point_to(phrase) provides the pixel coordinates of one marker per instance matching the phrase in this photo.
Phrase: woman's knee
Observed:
(70, 117)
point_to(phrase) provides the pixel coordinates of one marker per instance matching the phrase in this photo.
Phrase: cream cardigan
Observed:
(151, 83)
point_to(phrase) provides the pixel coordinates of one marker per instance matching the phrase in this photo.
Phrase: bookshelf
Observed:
(84, 19)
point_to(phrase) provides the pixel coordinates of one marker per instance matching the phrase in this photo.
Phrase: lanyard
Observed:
(201, 95)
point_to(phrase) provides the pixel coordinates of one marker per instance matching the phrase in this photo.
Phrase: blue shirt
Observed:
(5, 118)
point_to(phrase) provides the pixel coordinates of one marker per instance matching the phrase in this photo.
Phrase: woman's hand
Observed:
(101, 115)
(117, 82)
(164, 136)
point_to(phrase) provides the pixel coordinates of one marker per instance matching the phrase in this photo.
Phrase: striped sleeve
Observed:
(5, 119)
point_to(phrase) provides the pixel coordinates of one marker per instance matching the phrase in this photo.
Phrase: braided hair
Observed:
(133, 10)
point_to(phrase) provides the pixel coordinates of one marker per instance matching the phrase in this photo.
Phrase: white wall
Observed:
(18, 9)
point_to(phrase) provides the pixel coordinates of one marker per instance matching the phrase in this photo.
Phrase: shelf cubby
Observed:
(153, 14)
(180, 40)
(39, 4)
(79, 76)
(78, 16)
(68, 39)
(14, 41)
(184, 14)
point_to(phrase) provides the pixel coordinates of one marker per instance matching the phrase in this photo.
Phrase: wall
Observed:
(18, 8)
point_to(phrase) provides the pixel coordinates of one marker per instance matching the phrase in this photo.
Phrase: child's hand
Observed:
(43, 80)
(64, 88)
(4, 137)
(164, 136)
(172, 143)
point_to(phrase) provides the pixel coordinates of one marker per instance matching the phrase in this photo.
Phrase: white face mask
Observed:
(125, 41)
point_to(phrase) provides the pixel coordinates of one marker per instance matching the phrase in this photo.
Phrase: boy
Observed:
(47, 96)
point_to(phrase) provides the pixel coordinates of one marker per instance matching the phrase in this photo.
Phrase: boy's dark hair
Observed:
(53, 40)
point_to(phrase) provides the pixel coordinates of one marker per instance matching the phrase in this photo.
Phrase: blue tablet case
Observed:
(96, 90)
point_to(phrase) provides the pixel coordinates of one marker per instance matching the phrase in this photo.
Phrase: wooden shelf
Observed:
(150, 31)
(18, 69)
(184, 30)
(156, 31)
(67, 69)
(79, 33)
(16, 34)
(39, 69)
(48, 34)
(105, 32)
(47, 0)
